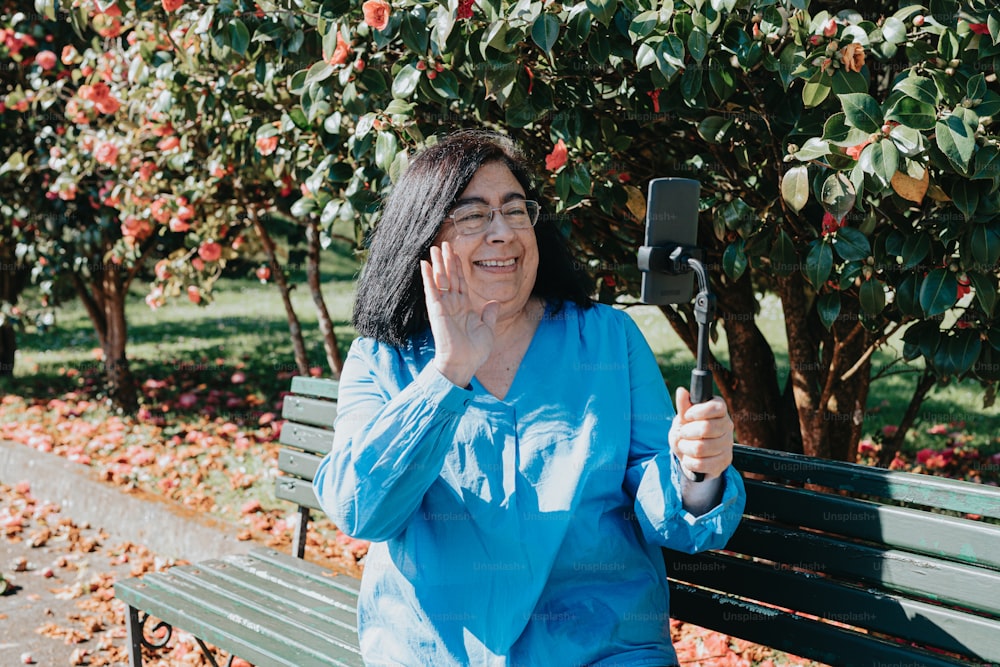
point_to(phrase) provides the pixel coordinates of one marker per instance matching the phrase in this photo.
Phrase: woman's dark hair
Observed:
(390, 302)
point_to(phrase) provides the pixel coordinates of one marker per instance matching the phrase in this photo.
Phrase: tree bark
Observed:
(333, 358)
(891, 445)
(8, 349)
(294, 326)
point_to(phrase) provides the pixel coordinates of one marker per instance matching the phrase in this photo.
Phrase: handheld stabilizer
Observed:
(667, 259)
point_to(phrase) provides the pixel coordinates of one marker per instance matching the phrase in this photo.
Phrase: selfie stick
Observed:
(675, 259)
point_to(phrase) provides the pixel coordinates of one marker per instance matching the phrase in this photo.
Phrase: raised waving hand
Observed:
(463, 335)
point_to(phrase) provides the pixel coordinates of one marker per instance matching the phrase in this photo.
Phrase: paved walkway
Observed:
(65, 537)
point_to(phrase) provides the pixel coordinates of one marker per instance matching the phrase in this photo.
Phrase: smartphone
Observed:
(671, 217)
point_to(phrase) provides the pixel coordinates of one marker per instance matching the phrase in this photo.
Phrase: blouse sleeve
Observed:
(654, 474)
(386, 451)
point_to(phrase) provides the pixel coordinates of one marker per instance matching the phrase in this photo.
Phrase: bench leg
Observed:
(137, 637)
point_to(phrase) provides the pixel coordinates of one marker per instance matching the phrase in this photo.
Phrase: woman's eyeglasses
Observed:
(476, 218)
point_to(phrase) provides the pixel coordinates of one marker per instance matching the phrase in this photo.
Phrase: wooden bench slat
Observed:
(264, 640)
(297, 491)
(311, 386)
(318, 608)
(310, 438)
(901, 527)
(795, 634)
(298, 464)
(346, 584)
(914, 620)
(926, 490)
(310, 411)
(943, 581)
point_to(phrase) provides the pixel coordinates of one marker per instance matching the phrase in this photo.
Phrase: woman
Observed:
(502, 440)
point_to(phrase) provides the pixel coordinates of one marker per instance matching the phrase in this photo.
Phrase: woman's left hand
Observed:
(701, 435)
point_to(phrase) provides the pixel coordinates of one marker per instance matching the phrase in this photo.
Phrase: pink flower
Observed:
(557, 158)
(172, 5)
(69, 54)
(210, 251)
(889, 430)
(377, 13)
(925, 454)
(178, 225)
(137, 228)
(46, 60)
(194, 295)
(267, 145)
(106, 153)
(855, 151)
(168, 144)
(159, 210)
(830, 28)
(341, 53)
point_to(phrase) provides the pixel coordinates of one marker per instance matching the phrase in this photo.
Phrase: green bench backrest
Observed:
(872, 555)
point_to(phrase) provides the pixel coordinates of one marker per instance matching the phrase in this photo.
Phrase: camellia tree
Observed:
(847, 157)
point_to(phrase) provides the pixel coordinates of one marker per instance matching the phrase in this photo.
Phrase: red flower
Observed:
(168, 144)
(979, 28)
(465, 9)
(106, 153)
(655, 96)
(172, 5)
(340, 53)
(557, 158)
(69, 54)
(831, 224)
(377, 13)
(854, 152)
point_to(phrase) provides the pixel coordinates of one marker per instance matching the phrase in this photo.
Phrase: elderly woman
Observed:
(504, 442)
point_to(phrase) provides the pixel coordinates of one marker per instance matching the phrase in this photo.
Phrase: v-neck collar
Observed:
(530, 351)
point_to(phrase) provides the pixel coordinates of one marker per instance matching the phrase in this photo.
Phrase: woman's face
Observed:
(500, 263)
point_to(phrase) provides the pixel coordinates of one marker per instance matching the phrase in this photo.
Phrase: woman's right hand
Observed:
(463, 338)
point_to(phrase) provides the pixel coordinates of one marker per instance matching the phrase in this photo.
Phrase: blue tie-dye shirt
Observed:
(518, 532)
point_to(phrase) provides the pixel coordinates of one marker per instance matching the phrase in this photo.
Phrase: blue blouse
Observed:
(518, 532)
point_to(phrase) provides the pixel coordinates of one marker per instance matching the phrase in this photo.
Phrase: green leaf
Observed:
(643, 24)
(919, 88)
(319, 72)
(915, 248)
(413, 30)
(720, 79)
(813, 149)
(545, 32)
(906, 296)
(845, 82)
(445, 84)
(975, 89)
(851, 244)
(956, 140)
(734, 259)
(837, 132)
(406, 81)
(579, 179)
(837, 195)
(881, 159)
(714, 128)
(698, 44)
(670, 55)
(965, 196)
(239, 36)
(819, 264)
(986, 290)
(784, 259)
(386, 147)
(908, 141)
(958, 352)
(938, 292)
(816, 89)
(871, 295)
(893, 31)
(828, 308)
(913, 113)
(987, 163)
(983, 247)
(862, 111)
(795, 187)
(578, 28)
(603, 10)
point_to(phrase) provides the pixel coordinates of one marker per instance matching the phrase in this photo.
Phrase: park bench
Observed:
(835, 562)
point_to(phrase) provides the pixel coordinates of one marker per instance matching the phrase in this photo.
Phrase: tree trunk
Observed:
(104, 302)
(8, 348)
(892, 444)
(294, 327)
(333, 359)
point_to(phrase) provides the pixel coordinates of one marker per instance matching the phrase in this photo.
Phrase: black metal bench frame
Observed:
(836, 562)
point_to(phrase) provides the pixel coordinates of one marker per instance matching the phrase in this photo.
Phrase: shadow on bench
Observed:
(845, 564)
